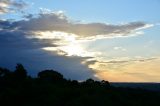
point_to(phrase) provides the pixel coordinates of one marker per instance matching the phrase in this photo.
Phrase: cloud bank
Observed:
(15, 48)
(22, 41)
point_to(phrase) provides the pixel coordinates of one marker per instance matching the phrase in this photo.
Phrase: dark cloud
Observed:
(90, 62)
(18, 4)
(17, 39)
(37, 60)
(6, 24)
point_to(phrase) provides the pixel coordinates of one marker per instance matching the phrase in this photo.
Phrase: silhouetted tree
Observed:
(5, 73)
(50, 75)
(74, 83)
(89, 81)
(2, 72)
(20, 72)
(105, 83)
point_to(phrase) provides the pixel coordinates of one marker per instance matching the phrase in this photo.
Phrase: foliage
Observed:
(51, 89)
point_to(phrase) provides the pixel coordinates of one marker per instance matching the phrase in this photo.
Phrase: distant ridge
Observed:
(153, 86)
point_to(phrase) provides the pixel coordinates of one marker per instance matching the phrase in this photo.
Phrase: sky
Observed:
(114, 40)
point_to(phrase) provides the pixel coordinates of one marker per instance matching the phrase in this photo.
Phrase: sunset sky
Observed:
(114, 40)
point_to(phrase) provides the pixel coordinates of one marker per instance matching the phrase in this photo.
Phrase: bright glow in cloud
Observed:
(73, 49)
(67, 43)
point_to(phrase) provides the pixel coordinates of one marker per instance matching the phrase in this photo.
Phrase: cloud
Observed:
(7, 6)
(25, 41)
(59, 30)
(116, 61)
(119, 48)
(58, 21)
(16, 47)
(140, 70)
(115, 65)
(11, 38)
(37, 60)
(90, 62)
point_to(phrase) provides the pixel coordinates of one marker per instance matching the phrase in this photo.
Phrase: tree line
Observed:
(50, 88)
